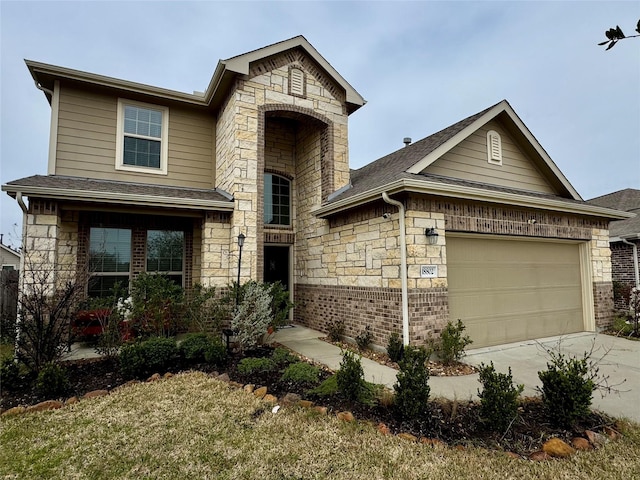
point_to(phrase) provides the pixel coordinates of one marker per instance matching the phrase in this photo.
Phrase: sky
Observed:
(421, 66)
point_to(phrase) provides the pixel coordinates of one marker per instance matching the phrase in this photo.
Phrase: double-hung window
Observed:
(277, 200)
(109, 259)
(165, 253)
(142, 144)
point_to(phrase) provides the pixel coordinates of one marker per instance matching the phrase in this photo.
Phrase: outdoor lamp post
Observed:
(241, 238)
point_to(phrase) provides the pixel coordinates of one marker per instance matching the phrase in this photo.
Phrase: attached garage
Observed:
(508, 289)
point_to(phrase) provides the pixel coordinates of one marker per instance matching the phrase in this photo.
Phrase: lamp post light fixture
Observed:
(432, 235)
(241, 238)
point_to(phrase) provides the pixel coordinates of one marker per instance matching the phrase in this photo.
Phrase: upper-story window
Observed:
(277, 200)
(142, 144)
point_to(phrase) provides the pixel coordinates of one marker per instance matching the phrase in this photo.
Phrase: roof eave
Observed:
(119, 198)
(468, 193)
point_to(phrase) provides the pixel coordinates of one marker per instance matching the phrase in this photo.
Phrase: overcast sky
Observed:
(421, 66)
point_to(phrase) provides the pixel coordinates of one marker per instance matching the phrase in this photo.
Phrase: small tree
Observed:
(253, 315)
(634, 310)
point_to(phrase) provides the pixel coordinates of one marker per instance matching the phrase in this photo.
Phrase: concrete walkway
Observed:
(619, 359)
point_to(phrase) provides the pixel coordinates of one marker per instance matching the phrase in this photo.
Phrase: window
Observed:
(494, 147)
(109, 259)
(8, 267)
(277, 200)
(142, 137)
(165, 253)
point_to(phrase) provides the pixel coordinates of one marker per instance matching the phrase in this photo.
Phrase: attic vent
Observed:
(297, 84)
(494, 147)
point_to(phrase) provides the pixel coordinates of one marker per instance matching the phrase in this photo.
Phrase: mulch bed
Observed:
(454, 422)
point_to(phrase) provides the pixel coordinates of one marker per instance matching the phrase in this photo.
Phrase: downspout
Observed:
(635, 260)
(23, 250)
(403, 268)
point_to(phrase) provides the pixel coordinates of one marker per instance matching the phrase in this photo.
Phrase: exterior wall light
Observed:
(432, 235)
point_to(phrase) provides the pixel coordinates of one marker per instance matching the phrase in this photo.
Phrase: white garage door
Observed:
(507, 290)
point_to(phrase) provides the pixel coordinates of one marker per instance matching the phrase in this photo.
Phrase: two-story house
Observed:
(473, 222)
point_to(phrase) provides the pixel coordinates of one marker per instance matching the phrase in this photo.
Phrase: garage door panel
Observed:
(510, 290)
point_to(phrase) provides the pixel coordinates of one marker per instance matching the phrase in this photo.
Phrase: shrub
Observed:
(350, 376)
(203, 311)
(567, 386)
(157, 305)
(52, 380)
(412, 386)
(282, 357)
(253, 315)
(141, 359)
(452, 342)
(132, 360)
(251, 365)
(216, 352)
(280, 305)
(498, 398)
(9, 374)
(326, 388)
(621, 327)
(364, 338)
(193, 347)
(301, 373)
(336, 330)
(395, 348)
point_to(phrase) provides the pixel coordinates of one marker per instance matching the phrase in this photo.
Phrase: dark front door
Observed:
(276, 265)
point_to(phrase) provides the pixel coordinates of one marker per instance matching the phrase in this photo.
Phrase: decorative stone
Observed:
(613, 434)
(236, 384)
(408, 437)
(432, 442)
(290, 399)
(260, 392)
(539, 456)
(321, 410)
(383, 429)
(596, 439)
(154, 378)
(557, 448)
(167, 375)
(71, 401)
(346, 416)
(270, 399)
(96, 393)
(14, 411)
(46, 405)
(580, 443)
(305, 403)
(460, 448)
(249, 387)
(224, 377)
(513, 455)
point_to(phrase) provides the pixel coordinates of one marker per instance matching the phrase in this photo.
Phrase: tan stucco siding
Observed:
(86, 142)
(468, 161)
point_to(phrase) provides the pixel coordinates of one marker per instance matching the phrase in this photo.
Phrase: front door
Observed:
(276, 265)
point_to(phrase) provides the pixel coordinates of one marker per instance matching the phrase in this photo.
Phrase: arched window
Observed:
(277, 200)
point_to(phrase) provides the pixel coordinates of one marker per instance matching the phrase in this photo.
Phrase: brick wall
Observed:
(623, 269)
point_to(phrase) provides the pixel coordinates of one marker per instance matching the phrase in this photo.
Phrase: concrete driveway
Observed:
(617, 358)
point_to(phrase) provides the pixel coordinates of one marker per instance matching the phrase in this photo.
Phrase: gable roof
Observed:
(225, 73)
(403, 169)
(11, 251)
(627, 200)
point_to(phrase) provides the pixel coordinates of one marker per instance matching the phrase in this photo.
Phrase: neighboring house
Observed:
(142, 178)
(624, 238)
(9, 258)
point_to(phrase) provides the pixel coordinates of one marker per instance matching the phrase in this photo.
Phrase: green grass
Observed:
(192, 426)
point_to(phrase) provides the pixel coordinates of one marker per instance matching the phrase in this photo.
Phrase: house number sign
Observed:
(428, 271)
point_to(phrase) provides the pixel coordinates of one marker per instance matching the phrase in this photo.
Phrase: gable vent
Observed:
(494, 147)
(297, 82)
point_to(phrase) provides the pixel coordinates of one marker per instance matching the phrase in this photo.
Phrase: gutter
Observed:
(635, 260)
(470, 193)
(403, 267)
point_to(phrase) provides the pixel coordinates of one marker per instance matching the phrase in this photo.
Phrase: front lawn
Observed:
(193, 426)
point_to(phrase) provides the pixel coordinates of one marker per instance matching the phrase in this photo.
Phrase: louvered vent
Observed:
(296, 82)
(494, 147)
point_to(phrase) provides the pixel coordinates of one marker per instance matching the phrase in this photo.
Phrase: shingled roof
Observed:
(109, 191)
(627, 200)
